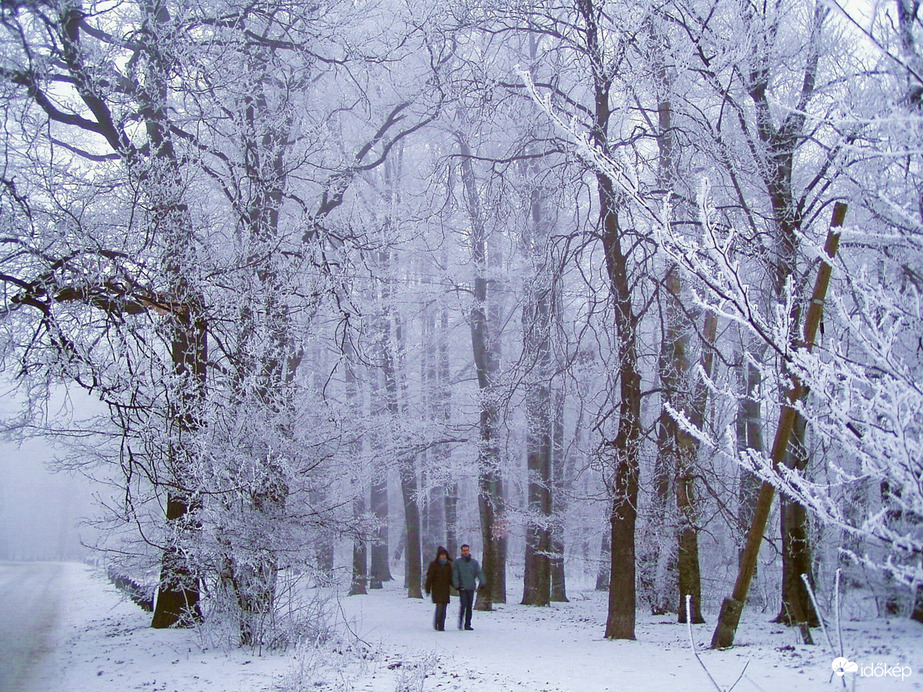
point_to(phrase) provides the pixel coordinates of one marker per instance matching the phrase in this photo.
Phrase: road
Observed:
(30, 613)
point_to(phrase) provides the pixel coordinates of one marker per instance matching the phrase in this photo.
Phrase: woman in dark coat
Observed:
(438, 583)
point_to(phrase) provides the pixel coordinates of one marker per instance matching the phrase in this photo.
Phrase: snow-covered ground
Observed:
(103, 642)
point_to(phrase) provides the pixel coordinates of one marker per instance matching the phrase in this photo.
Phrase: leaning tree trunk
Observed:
(732, 607)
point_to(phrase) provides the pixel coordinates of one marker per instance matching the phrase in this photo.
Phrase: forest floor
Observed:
(387, 644)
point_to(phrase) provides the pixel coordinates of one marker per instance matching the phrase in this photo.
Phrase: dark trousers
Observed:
(439, 619)
(466, 599)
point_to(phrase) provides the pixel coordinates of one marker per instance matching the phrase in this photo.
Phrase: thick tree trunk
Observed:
(177, 602)
(444, 416)
(672, 461)
(624, 449)
(623, 452)
(413, 570)
(380, 570)
(688, 449)
(537, 574)
(537, 318)
(797, 607)
(406, 461)
(255, 587)
(486, 347)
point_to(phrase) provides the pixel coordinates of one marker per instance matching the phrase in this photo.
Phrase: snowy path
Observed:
(561, 649)
(30, 604)
(526, 648)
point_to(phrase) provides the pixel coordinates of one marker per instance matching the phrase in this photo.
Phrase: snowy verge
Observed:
(105, 643)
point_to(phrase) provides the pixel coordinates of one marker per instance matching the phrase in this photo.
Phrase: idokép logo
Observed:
(842, 665)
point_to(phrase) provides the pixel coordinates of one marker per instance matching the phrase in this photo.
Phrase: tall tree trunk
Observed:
(379, 569)
(749, 427)
(623, 452)
(561, 475)
(670, 470)
(380, 550)
(781, 144)
(413, 569)
(433, 500)
(537, 574)
(395, 394)
(689, 571)
(486, 347)
(177, 602)
(442, 403)
(537, 319)
(678, 449)
(663, 518)
(359, 579)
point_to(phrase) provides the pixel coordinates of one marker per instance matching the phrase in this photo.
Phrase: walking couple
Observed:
(463, 573)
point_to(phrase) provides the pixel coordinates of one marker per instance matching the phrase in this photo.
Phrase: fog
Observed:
(42, 513)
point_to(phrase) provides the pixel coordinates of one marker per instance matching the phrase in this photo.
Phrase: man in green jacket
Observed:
(466, 577)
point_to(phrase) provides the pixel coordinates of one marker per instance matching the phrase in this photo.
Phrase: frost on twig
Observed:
(699, 658)
(817, 609)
